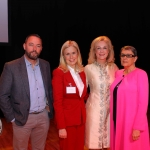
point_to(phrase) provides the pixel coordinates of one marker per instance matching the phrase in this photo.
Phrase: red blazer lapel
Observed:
(70, 79)
(71, 82)
(83, 78)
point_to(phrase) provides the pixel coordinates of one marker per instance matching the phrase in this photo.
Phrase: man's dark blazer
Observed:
(15, 93)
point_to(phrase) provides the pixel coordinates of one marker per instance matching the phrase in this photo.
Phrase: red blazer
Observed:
(69, 108)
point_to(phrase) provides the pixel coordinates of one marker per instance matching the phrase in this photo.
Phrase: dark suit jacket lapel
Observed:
(24, 75)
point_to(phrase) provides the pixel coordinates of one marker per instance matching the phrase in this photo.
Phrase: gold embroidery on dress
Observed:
(104, 103)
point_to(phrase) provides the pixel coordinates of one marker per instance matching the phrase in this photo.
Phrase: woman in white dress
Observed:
(100, 73)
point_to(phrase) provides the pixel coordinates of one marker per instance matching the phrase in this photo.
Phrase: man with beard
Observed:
(26, 96)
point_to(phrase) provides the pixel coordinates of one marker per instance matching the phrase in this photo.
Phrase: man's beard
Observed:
(33, 57)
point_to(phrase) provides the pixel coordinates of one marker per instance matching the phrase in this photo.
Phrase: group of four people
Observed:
(111, 114)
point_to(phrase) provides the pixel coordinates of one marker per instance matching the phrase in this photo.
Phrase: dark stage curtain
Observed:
(59, 20)
(81, 20)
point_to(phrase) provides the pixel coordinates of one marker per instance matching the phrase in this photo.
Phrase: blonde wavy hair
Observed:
(62, 62)
(92, 56)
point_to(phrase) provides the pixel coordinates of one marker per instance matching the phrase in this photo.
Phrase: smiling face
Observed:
(71, 56)
(127, 58)
(101, 51)
(32, 47)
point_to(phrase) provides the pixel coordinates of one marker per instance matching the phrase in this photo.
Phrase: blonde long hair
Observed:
(62, 62)
(92, 56)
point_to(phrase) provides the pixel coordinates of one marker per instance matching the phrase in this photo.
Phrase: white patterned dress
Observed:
(99, 78)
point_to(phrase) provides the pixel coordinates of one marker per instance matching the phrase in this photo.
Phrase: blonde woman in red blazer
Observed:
(70, 91)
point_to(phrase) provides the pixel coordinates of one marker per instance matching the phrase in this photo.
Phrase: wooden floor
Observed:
(52, 142)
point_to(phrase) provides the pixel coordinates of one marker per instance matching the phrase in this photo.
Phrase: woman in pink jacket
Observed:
(129, 104)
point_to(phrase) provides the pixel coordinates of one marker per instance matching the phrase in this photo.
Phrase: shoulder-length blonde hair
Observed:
(63, 64)
(92, 56)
